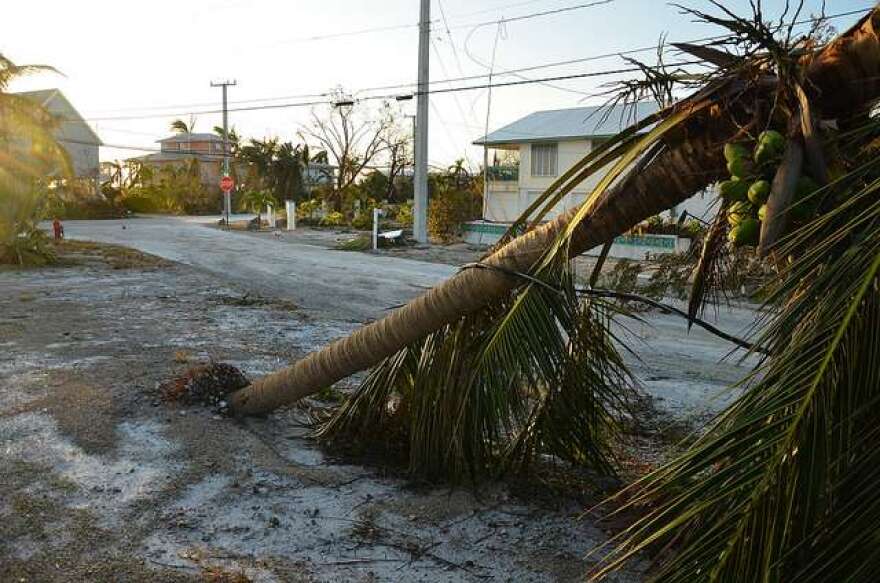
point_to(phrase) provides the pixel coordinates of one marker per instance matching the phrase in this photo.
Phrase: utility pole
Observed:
(420, 178)
(227, 195)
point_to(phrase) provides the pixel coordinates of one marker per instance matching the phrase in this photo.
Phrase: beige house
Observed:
(180, 149)
(208, 150)
(73, 133)
(548, 143)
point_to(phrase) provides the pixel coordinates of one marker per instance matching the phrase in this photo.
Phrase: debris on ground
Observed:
(205, 384)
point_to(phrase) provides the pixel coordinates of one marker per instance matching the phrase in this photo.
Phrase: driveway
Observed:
(339, 284)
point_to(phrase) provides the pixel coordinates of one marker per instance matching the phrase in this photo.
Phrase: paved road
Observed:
(686, 370)
(342, 285)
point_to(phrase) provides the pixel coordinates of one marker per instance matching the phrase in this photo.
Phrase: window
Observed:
(544, 159)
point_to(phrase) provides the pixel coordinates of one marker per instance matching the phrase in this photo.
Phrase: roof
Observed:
(187, 137)
(46, 97)
(570, 124)
(179, 156)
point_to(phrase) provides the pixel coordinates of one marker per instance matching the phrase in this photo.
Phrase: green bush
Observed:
(93, 208)
(29, 248)
(305, 210)
(448, 210)
(140, 204)
(363, 220)
(404, 214)
(334, 219)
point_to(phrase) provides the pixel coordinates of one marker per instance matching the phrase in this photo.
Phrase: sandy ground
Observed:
(100, 481)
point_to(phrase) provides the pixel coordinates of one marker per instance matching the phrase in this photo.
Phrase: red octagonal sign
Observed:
(226, 183)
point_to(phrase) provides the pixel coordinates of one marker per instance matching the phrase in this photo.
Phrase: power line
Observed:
(393, 27)
(537, 14)
(505, 72)
(389, 95)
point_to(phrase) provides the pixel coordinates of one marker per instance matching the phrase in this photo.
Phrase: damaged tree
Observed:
(675, 160)
(503, 360)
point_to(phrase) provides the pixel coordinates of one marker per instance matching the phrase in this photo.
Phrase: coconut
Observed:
(738, 212)
(758, 192)
(733, 151)
(734, 190)
(747, 232)
(739, 168)
(773, 140)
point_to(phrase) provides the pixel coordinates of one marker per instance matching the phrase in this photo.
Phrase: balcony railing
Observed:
(503, 173)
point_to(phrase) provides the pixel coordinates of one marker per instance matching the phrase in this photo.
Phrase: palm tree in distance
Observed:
(180, 126)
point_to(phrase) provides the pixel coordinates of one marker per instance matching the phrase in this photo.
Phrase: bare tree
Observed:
(351, 140)
(397, 151)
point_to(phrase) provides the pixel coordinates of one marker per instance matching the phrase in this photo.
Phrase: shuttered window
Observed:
(544, 159)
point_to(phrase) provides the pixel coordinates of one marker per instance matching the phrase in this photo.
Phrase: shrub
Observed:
(30, 248)
(333, 219)
(448, 210)
(404, 214)
(21, 241)
(305, 210)
(140, 204)
(92, 208)
(363, 220)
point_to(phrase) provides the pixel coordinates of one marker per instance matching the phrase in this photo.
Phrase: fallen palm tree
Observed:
(503, 361)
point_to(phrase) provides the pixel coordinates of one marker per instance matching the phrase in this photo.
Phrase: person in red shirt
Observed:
(58, 228)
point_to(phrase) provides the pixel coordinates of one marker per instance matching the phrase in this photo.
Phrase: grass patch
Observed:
(115, 256)
(359, 243)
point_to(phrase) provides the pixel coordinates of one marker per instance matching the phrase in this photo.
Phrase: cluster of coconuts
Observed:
(746, 193)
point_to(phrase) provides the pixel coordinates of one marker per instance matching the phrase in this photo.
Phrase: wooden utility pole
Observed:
(420, 178)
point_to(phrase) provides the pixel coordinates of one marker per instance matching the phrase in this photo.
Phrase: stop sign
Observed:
(226, 183)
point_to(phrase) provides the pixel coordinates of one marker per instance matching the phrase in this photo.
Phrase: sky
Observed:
(128, 59)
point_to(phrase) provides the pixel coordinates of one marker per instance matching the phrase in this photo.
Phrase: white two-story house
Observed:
(541, 147)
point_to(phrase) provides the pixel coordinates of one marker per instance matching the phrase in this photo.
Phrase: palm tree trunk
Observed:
(678, 172)
(844, 75)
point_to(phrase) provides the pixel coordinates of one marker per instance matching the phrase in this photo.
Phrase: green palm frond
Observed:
(776, 490)
(498, 388)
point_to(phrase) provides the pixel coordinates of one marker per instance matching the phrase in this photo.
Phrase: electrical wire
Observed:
(385, 96)
(506, 72)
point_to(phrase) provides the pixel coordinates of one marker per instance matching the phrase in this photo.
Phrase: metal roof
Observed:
(569, 124)
(63, 109)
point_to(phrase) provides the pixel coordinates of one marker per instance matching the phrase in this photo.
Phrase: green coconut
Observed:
(738, 212)
(773, 140)
(734, 151)
(746, 233)
(734, 190)
(739, 168)
(758, 192)
(762, 213)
